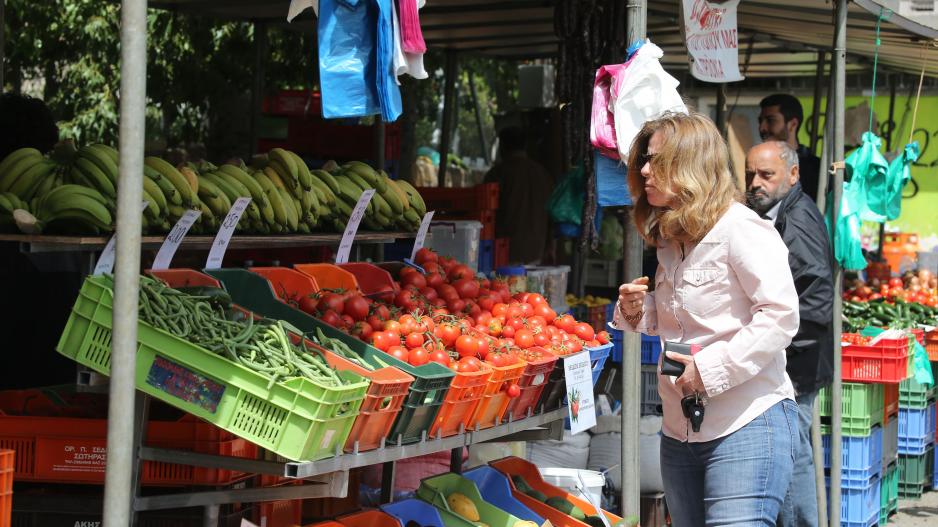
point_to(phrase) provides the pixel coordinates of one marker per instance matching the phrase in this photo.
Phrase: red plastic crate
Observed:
(485, 217)
(6, 508)
(919, 334)
(502, 255)
(885, 362)
(372, 280)
(183, 277)
(329, 276)
(890, 402)
(368, 518)
(7, 458)
(931, 345)
(462, 400)
(479, 197)
(283, 513)
(532, 383)
(288, 285)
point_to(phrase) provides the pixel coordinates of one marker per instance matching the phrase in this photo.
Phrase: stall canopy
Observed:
(776, 39)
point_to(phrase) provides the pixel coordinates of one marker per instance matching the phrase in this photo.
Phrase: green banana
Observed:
(348, 189)
(254, 188)
(96, 176)
(223, 185)
(27, 183)
(179, 182)
(413, 196)
(6, 205)
(173, 197)
(214, 197)
(102, 160)
(17, 168)
(367, 173)
(154, 191)
(281, 156)
(328, 179)
(273, 196)
(381, 205)
(395, 197)
(303, 174)
(293, 215)
(324, 193)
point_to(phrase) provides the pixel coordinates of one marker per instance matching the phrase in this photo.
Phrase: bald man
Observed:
(774, 191)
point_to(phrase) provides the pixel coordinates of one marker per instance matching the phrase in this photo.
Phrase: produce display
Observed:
(75, 191)
(898, 303)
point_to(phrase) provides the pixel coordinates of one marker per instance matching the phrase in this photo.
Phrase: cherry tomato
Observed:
(467, 346)
(524, 338)
(513, 391)
(382, 340)
(414, 340)
(418, 357)
(440, 356)
(398, 352)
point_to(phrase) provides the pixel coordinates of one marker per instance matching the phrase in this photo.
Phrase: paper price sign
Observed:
(105, 263)
(223, 237)
(422, 233)
(351, 228)
(580, 405)
(165, 255)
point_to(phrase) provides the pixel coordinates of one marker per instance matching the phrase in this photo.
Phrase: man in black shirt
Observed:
(780, 120)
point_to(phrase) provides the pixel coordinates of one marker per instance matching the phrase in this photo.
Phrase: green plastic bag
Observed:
(921, 368)
(869, 174)
(611, 236)
(900, 172)
(566, 201)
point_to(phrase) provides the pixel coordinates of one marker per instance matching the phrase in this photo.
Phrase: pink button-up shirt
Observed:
(732, 293)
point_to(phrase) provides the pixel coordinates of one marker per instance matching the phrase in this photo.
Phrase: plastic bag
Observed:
(602, 121)
(900, 172)
(610, 235)
(389, 93)
(566, 201)
(921, 367)
(868, 172)
(612, 187)
(347, 59)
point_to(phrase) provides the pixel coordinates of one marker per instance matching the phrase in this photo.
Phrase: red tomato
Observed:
(415, 279)
(574, 345)
(541, 339)
(405, 300)
(508, 331)
(332, 318)
(414, 340)
(382, 340)
(495, 327)
(440, 356)
(527, 310)
(362, 330)
(469, 364)
(496, 359)
(332, 301)
(524, 338)
(467, 288)
(418, 357)
(309, 304)
(515, 311)
(544, 310)
(429, 293)
(392, 325)
(425, 255)
(376, 323)
(895, 283)
(513, 391)
(484, 318)
(448, 334)
(398, 352)
(431, 267)
(516, 323)
(566, 323)
(535, 299)
(584, 331)
(486, 302)
(500, 310)
(483, 344)
(348, 321)
(603, 337)
(467, 346)
(459, 272)
(434, 280)
(356, 307)
(456, 306)
(394, 335)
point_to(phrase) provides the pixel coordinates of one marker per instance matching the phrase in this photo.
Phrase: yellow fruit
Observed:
(463, 506)
(525, 523)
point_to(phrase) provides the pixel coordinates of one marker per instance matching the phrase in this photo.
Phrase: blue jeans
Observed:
(738, 480)
(800, 508)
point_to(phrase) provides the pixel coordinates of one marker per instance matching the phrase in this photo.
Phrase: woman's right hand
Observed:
(632, 296)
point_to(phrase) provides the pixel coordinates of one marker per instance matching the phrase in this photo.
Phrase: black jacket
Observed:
(811, 353)
(809, 167)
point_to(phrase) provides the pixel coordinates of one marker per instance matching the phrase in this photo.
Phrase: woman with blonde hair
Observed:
(724, 285)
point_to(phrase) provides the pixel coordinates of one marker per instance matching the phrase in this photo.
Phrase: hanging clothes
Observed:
(412, 36)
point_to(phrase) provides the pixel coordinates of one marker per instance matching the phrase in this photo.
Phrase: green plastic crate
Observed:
(914, 395)
(889, 493)
(861, 407)
(915, 473)
(431, 381)
(435, 490)
(297, 419)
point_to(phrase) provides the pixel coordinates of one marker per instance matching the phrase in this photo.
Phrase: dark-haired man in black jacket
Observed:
(773, 190)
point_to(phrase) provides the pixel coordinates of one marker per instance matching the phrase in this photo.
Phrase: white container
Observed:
(550, 282)
(456, 239)
(569, 480)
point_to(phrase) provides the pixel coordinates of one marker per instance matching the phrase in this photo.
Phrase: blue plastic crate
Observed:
(419, 511)
(486, 256)
(651, 349)
(598, 356)
(495, 489)
(934, 474)
(859, 507)
(616, 338)
(916, 430)
(861, 458)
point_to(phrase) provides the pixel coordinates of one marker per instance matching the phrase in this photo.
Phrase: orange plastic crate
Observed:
(890, 402)
(7, 458)
(6, 508)
(511, 466)
(532, 383)
(183, 277)
(495, 398)
(329, 523)
(283, 513)
(885, 362)
(372, 280)
(368, 518)
(462, 400)
(931, 345)
(288, 284)
(329, 276)
(72, 450)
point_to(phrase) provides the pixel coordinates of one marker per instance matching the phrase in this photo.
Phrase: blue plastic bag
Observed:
(348, 58)
(389, 93)
(612, 188)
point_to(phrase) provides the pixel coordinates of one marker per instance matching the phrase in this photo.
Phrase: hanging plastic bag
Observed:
(347, 59)
(389, 93)
(410, 27)
(566, 201)
(602, 121)
(644, 91)
(868, 172)
(900, 172)
(612, 186)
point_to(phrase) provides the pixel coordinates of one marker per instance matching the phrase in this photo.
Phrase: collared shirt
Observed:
(731, 293)
(772, 214)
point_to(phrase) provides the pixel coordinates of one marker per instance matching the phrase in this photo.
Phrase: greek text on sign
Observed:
(712, 40)
(106, 260)
(422, 234)
(220, 245)
(581, 409)
(351, 228)
(165, 255)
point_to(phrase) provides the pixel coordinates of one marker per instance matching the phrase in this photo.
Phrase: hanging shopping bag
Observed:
(868, 172)
(411, 33)
(602, 121)
(612, 185)
(566, 201)
(347, 58)
(389, 93)
(900, 172)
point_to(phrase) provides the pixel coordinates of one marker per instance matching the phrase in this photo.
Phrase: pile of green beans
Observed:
(261, 345)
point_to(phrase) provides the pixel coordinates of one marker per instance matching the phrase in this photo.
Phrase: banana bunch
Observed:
(26, 172)
(67, 208)
(395, 205)
(9, 203)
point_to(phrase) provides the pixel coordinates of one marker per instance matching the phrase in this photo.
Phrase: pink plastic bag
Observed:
(410, 27)
(602, 122)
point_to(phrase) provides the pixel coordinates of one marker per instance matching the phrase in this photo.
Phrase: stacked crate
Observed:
(478, 203)
(916, 437)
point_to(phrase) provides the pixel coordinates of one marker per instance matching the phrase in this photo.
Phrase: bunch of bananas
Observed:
(77, 195)
(586, 301)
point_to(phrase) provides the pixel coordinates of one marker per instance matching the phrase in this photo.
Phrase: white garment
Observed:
(298, 6)
(646, 92)
(406, 63)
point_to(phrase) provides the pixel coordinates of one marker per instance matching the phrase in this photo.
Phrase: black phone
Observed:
(672, 367)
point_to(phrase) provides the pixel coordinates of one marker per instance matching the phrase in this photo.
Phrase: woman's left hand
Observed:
(690, 379)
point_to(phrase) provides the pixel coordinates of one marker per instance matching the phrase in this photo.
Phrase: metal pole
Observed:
(483, 141)
(817, 451)
(449, 107)
(257, 88)
(120, 424)
(636, 13)
(837, 154)
(721, 109)
(816, 105)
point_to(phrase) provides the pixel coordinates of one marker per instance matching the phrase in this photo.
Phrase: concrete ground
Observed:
(918, 513)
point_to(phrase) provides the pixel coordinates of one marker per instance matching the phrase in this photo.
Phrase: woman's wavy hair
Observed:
(694, 163)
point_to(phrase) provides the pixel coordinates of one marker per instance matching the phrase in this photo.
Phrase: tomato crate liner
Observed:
(297, 419)
(431, 382)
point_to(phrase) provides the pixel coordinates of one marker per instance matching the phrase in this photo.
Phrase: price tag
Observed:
(345, 246)
(105, 263)
(580, 405)
(165, 255)
(422, 233)
(220, 245)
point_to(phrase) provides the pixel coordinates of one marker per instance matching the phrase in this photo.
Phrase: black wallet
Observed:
(673, 367)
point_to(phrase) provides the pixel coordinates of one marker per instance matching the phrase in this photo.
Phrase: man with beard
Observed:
(773, 190)
(780, 120)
